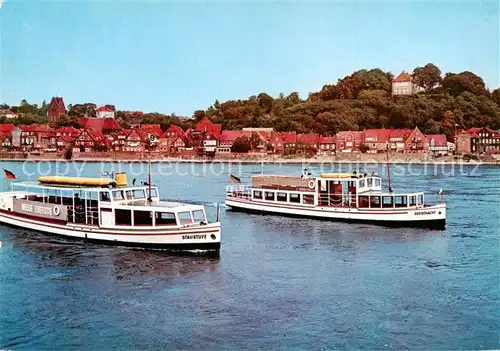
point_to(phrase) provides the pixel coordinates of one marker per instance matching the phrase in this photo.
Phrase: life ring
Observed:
(312, 184)
(56, 211)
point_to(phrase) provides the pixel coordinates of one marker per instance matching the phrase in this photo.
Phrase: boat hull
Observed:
(206, 238)
(432, 217)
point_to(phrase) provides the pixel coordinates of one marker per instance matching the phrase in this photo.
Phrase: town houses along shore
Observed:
(102, 136)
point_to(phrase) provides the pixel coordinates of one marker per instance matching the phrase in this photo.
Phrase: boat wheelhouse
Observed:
(108, 211)
(335, 196)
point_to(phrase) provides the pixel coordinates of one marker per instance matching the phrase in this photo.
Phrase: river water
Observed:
(279, 283)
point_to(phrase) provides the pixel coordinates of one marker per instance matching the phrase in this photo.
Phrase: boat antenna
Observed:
(149, 170)
(388, 169)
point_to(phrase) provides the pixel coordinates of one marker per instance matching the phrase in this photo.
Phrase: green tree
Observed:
(456, 84)
(428, 76)
(254, 140)
(241, 144)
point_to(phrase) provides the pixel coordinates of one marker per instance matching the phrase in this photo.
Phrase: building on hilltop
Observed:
(7, 113)
(403, 85)
(56, 109)
(104, 112)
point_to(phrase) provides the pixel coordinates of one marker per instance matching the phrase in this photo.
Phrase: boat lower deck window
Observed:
(374, 201)
(143, 218)
(363, 201)
(257, 194)
(413, 200)
(308, 199)
(118, 195)
(185, 218)
(400, 201)
(295, 198)
(165, 218)
(387, 201)
(269, 195)
(282, 197)
(199, 216)
(123, 217)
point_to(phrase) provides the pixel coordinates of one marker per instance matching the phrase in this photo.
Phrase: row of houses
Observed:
(208, 138)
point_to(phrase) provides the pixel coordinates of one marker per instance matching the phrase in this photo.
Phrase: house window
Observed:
(282, 197)
(185, 217)
(387, 201)
(295, 198)
(269, 196)
(308, 199)
(123, 217)
(143, 218)
(165, 218)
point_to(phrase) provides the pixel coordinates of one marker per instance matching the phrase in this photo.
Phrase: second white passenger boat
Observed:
(336, 196)
(108, 211)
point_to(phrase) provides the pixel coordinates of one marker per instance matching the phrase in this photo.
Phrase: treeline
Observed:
(359, 101)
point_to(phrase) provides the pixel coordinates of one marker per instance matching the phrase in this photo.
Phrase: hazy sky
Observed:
(168, 56)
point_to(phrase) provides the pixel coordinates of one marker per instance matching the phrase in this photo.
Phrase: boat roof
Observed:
(35, 184)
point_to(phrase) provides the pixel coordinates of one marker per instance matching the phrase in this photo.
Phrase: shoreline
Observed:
(290, 161)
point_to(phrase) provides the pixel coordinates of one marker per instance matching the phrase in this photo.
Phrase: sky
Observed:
(168, 56)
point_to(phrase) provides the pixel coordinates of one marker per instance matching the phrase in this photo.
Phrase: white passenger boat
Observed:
(108, 211)
(346, 197)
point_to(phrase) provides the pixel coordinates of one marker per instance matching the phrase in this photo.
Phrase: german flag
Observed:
(234, 179)
(9, 174)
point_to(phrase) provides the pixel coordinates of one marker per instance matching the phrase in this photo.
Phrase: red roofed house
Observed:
(478, 140)
(376, 139)
(7, 113)
(63, 142)
(438, 144)
(173, 140)
(36, 137)
(173, 131)
(67, 131)
(136, 141)
(89, 140)
(415, 140)
(403, 85)
(326, 145)
(7, 128)
(153, 129)
(56, 109)
(103, 125)
(104, 112)
(276, 141)
(206, 136)
(307, 143)
(348, 141)
(5, 140)
(227, 139)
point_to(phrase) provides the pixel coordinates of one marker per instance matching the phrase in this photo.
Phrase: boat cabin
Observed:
(110, 205)
(327, 190)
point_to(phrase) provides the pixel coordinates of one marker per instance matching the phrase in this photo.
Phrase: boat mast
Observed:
(149, 170)
(388, 169)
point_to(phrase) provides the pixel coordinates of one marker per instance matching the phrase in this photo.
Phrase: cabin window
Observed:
(363, 201)
(143, 218)
(400, 201)
(362, 183)
(377, 182)
(308, 199)
(199, 216)
(387, 201)
(413, 200)
(257, 194)
(128, 194)
(138, 194)
(185, 218)
(369, 182)
(374, 201)
(269, 195)
(165, 218)
(295, 198)
(123, 217)
(153, 192)
(420, 199)
(282, 197)
(118, 195)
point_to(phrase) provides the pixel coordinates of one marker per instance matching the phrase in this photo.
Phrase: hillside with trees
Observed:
(359, 101)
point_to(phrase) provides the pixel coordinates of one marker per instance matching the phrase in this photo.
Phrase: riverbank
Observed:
(270, 159)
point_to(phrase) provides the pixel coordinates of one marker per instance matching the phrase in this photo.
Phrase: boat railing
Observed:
(239, 191)
(337, 200)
